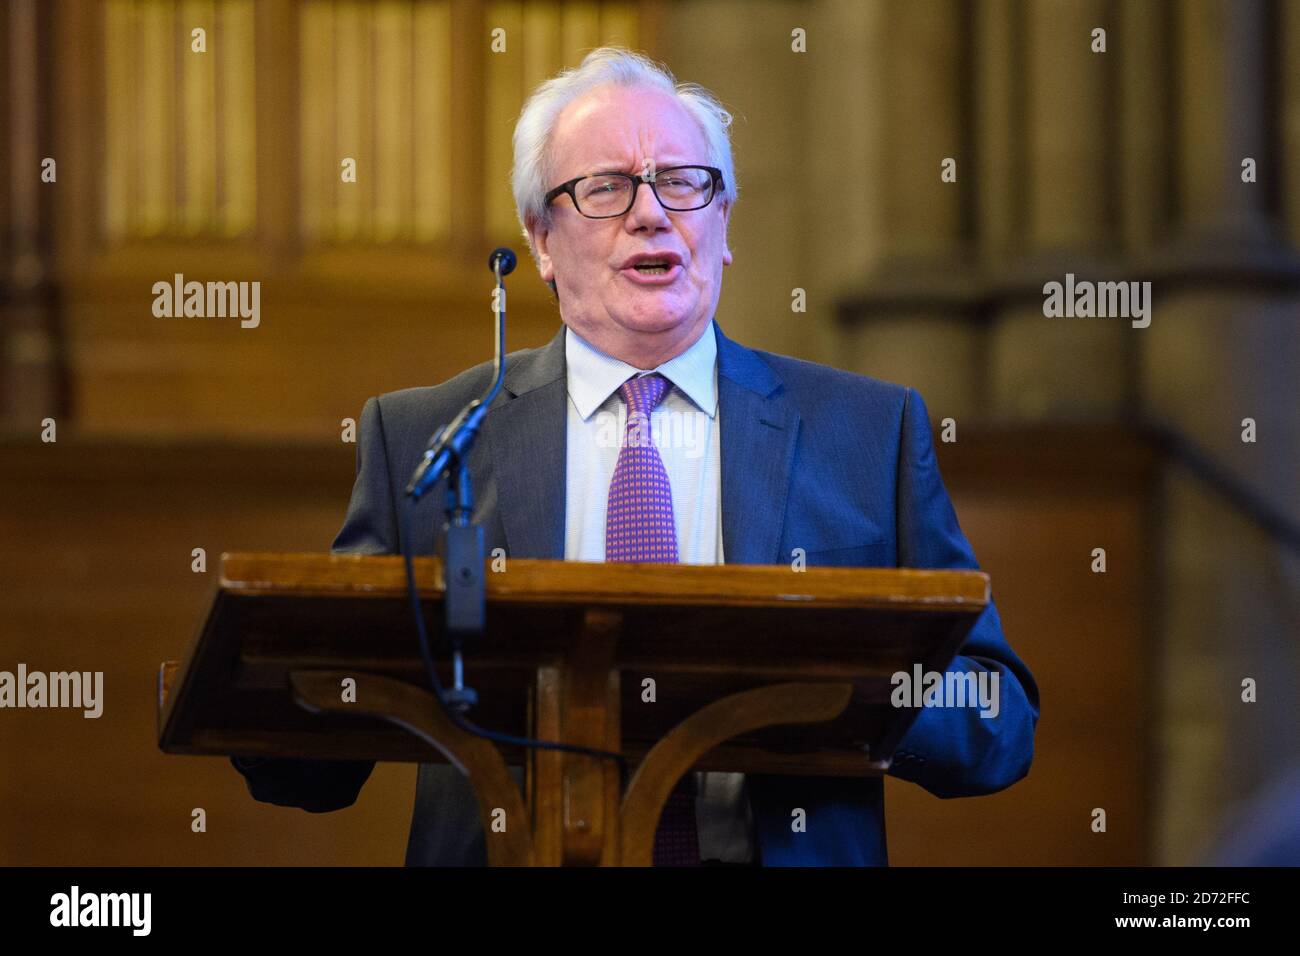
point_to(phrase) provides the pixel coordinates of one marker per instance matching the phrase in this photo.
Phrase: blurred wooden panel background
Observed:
(228, 165)
(103, 582)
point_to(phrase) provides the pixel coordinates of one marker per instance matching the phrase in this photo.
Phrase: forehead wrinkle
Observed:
(643, 136)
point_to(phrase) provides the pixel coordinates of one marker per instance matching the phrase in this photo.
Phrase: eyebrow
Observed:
(636, 172)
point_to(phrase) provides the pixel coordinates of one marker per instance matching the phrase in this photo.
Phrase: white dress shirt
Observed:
(685, 430)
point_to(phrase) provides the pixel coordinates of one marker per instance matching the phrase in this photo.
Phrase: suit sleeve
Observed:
(370, 527)
(953, 751)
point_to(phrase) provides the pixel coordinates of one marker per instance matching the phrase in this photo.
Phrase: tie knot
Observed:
(644, 393)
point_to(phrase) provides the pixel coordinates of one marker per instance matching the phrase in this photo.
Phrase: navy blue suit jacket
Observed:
(840, 465)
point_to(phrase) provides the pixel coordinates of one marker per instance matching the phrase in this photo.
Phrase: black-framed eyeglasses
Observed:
(606, 195)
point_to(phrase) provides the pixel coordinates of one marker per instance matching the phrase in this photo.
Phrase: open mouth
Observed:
(653, 272)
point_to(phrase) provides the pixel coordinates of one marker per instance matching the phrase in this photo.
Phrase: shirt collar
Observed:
(593, 376)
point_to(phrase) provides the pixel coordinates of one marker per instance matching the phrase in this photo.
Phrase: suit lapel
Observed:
(759, 429)
(527, 433)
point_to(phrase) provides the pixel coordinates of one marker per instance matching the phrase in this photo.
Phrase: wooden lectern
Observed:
(760, 669)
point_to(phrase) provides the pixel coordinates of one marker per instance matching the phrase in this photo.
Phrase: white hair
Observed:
(533, 171)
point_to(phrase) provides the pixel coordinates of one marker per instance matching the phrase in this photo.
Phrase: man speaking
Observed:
(624, 184)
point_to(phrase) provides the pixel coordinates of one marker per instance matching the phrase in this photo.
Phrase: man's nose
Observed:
(647, 211)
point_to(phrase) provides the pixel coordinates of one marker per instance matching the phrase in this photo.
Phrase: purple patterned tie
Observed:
(639, 523)
(639, 526)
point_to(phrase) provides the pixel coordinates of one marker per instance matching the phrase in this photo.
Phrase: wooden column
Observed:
(33, 379)
(1040, 366)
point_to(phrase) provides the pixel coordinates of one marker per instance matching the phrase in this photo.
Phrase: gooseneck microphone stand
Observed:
(461, 542)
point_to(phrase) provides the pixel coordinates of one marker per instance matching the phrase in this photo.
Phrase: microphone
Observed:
(451, 443)
(507, 259)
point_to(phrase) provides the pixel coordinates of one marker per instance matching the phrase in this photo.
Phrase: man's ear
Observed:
(540, 235)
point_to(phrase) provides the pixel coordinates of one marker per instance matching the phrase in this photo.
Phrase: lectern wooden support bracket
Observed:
(768, 671)
(416, 711)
